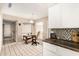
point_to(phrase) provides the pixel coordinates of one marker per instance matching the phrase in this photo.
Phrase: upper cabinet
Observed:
(70, 15)
(55, 16)
(64, 16)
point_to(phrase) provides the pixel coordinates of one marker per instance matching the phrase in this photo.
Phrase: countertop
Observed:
(64, 43)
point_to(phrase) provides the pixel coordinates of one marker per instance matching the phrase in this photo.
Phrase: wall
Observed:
(23, 20)
(33, 28)
(45, 33)
(39, 28)
(18, 28)
(45, 26)
(0, 30)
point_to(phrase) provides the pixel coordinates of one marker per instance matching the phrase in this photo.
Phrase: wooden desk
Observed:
(26, 38)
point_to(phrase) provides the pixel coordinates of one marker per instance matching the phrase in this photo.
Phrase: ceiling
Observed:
(27, 10)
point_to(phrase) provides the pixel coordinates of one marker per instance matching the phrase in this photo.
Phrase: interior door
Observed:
(9, 32)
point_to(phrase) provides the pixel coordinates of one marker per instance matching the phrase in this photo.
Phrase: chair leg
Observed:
(32, 43)
(26, 42)
(35, 42)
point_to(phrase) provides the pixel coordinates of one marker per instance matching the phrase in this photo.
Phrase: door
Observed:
(9, 33)
(7, 30)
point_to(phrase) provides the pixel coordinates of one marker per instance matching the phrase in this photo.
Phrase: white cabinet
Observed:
(66, 52)
(54, 50)
(54, 19)
(49, 46)
(48, 49)
(47, 52)
(64, 16)
(70, 15)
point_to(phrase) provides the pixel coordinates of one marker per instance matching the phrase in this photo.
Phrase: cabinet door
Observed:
(55, 14)
(49, 46)
(47, 52)
(51, 21)
(66, 52)
(70, 15)
(49, 49)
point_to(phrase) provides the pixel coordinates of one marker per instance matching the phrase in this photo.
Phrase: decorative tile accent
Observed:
(65, 33)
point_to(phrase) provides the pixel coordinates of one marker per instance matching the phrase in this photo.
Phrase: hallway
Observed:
(21, 49)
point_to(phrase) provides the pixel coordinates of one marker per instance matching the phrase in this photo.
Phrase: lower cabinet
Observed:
(47, 52)
(48, 49)
(66, 52)
(54, 50)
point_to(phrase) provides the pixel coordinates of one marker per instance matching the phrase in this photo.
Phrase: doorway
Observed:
(9, 32)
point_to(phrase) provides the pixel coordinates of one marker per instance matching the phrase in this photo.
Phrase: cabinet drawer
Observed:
(49, 46)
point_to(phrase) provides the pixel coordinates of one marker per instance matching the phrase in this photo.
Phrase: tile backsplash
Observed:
(64, 33)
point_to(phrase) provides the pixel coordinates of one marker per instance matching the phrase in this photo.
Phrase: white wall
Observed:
(20, 30)
(26, 28)
(44, 27)
(0, 31)
(39, 27)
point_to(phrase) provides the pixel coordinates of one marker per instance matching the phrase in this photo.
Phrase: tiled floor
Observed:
(21, 49)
